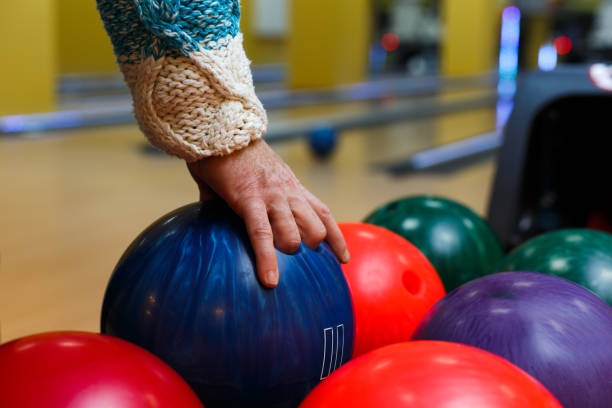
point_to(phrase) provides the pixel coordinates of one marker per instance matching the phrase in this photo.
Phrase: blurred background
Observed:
(368, 100)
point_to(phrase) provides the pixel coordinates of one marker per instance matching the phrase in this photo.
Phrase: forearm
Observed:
(190, 79)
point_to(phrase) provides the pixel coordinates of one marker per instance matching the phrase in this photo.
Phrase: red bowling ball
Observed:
(392, 284)
(429, 374)
(86, 370)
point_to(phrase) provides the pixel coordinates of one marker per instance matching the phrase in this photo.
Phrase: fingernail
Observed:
(272, 278)
(346, 257)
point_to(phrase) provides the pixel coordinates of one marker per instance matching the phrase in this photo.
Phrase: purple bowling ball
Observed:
(557, 331)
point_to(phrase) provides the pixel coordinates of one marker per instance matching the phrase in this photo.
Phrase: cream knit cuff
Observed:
(197, 106)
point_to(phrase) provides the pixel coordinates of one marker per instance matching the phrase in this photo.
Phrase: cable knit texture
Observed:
(190, 79)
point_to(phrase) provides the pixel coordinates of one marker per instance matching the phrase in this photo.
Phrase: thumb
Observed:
(206, 193)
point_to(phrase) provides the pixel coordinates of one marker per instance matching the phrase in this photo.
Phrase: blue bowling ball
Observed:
(323, 141)
(186, 290)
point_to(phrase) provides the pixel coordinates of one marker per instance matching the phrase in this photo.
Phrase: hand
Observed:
(277, 210)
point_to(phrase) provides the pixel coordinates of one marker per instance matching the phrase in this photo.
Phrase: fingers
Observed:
(311, 228)
(277, 210)
(335, 239)
(286, 233)
(260, 233)
(285, 225)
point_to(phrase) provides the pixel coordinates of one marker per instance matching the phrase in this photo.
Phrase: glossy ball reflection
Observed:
(457, 241)
(87, 370)
(187, 290)
(430, 374)
(392, 284)
(555, 330)
(580, 255)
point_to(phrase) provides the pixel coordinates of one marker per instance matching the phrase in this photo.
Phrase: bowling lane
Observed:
(72, 201)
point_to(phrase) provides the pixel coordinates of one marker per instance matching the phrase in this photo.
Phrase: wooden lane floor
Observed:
(72, 201)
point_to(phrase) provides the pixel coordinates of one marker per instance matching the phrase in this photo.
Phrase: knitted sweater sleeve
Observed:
(190, 80)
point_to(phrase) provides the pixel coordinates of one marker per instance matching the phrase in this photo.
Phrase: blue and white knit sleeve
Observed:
(185, 65)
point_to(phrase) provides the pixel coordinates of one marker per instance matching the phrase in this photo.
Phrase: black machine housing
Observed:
(555, 164)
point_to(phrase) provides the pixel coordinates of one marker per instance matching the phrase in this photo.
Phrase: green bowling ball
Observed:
(456, 240)
(580, 255)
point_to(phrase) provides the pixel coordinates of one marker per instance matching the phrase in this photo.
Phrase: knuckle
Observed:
(317, 235)
(325, 212)
(292, 182)
(292, 244)
(261, 233)
(294, 200)
(320, 234)
(273, 180)
(275, 200)
(275, 208)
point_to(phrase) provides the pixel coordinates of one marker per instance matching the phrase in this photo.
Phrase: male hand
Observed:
(277, 210)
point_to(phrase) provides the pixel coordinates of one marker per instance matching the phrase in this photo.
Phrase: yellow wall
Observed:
(260, 50)
(329, 42)
(470, 36)
(583, 5)
(537, 33)
(27, 41)
(83, 45)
